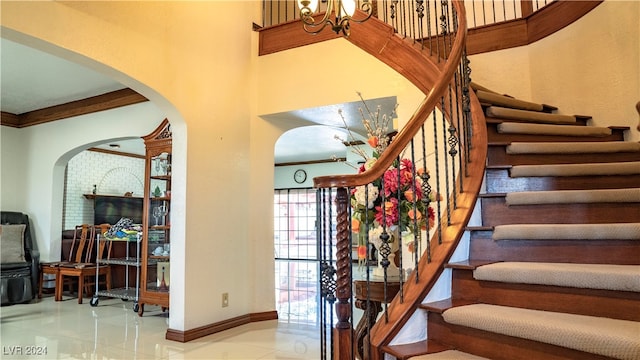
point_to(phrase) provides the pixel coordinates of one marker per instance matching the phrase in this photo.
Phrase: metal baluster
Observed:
(436, 25)
(446, 161)
(394, 21)
(437, 158)
(420, 12)
(444, 24)
(493, 6)
(429, 29)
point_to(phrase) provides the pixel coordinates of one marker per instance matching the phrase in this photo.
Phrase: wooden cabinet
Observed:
(156, 239)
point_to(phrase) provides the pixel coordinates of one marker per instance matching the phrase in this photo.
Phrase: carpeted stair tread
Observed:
(584, 276)
(588, 169)
(448, 355)
(507, 101)
(618, 231)
(603, 336)
(547, 129)
(527, 115)
(572, 147)
(573, 197)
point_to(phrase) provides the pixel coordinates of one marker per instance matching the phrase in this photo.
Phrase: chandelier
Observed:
(338, 14)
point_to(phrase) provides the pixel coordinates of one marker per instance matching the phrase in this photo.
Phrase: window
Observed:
(296, 255)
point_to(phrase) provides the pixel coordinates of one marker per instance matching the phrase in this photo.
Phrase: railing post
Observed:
(526, 6)
(344, 330)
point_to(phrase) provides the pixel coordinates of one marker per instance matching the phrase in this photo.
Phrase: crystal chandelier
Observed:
(338, 14)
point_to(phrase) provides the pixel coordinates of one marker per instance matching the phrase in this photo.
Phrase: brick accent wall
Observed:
(112, 175)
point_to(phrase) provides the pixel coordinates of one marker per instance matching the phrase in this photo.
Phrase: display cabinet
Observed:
(156, 238)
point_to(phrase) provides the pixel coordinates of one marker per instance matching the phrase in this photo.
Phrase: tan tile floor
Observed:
(67, 330)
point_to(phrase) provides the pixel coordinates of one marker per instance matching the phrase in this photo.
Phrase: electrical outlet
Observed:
(225, 299)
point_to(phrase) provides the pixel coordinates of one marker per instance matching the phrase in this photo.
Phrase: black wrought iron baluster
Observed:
(393, 10)
(428, 10)
(438, 170)
(416, 228)
(426, 198)
(420, 15)
(467, 99)
(446, 160)
(453, 151)
(504, 10)
(436, 31)
(458, 81)
(493, 6)
(473, 8)
(328, 273)
(385, 250)
(412, 20)
(403, 22)
(444, 24)
(484, 14)
(327, 283)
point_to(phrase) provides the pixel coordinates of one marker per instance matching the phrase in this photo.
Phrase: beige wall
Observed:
(213, 88)
(590, 68)
(169, 52)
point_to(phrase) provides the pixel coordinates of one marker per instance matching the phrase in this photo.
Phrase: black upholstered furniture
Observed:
(19, 267)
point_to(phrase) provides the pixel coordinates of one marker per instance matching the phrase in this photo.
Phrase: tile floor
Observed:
(67, 330)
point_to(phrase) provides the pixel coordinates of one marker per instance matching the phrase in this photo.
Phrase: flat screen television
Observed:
(110, 209)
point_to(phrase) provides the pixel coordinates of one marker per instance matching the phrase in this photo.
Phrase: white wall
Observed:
(283, 175)
(111, 174)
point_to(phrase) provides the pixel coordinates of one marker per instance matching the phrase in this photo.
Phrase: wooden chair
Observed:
(79, 244)
(86, 267)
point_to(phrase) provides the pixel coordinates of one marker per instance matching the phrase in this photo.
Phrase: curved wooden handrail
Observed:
(407, 133)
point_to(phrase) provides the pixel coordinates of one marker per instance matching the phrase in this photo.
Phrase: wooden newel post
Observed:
(343, 332)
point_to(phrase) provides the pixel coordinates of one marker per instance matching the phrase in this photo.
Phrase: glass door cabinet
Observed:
(156, 239)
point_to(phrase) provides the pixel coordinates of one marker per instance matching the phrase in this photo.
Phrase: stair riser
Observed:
(499, 181)
(611, 304)
(606, 251)
(496, 346)
(496, 212)
(494, 136)
(497, 156)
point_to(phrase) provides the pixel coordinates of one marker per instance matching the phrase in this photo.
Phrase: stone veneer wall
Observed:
(112, 175)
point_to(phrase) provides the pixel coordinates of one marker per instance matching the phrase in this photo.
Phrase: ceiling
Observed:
(32, 80)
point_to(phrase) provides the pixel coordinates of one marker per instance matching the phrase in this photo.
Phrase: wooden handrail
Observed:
(415, 123)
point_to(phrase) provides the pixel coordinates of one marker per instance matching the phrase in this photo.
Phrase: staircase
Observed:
(554, 269)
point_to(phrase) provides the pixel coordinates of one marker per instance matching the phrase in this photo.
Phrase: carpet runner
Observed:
(608, 337)
(526, 115)
(586, 276)
(448, 355)
(572, 147)
(574, 197)
(592, 169)
(547, 129)
(618, 231)
(506, 101)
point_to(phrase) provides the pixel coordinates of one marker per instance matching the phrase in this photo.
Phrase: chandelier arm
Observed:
(341, 24)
